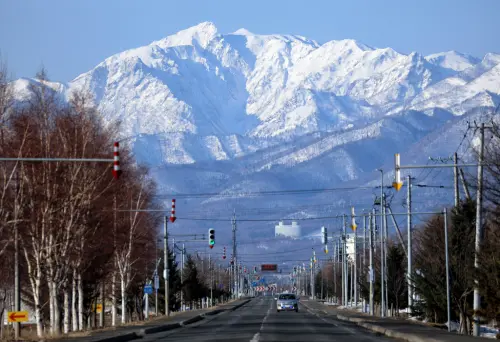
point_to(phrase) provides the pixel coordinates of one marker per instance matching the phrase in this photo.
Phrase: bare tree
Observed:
(137, 196)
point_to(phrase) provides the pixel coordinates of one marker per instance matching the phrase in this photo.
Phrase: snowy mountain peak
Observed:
(349, 44)
(200, 34)
(243, 32)
(453, 60)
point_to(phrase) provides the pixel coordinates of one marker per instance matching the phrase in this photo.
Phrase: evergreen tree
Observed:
(174, 284)
(489, 269)
(430, 278)
(397, 288)
(192, 288)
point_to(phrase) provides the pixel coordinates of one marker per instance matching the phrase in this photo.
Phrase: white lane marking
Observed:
(256, 337)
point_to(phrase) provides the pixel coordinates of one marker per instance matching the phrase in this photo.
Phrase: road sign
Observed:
(17, 316)
(148, 289)
(269, 267)
(254, 283)
(98, 308)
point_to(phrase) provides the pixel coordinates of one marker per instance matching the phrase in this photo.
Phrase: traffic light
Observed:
(324, 236)
(224, 253)
(211, 237)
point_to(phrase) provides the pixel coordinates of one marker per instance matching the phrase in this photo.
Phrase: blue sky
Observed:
(71, 37)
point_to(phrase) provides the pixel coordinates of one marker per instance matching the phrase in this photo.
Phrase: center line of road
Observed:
(255, 337)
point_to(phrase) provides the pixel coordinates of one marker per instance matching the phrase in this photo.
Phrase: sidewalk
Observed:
(162, 323)
(392, 326)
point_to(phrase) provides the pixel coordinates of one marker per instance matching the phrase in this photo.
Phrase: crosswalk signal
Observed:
(211, 237)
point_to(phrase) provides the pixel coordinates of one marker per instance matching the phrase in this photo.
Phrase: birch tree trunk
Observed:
(80, 302)
(113, 299)
(50, 285)
(66, 310)
(74, 312)
(124, 300)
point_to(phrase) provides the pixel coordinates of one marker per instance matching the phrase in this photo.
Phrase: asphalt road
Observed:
(259, 321)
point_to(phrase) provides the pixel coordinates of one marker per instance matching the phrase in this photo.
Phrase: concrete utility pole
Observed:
(165, 265)
(182, 275)
(371, 274)
(211, 280)
(344, 263)
(17, 292)
(479, 229)
(409, 270)
(235, 268)
(385, 263)
(455, 179)
(355, 273)
(448, 301)
(382, 245)
(363, 264)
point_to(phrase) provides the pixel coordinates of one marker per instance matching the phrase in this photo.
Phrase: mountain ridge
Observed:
(235, 113)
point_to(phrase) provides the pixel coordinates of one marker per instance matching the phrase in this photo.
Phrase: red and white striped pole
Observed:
(172, 214)
(116, 161)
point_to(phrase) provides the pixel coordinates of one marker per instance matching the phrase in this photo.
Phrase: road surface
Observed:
(258, 321)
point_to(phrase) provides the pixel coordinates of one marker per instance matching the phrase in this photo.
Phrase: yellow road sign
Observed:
(98, 308)
(17, 316)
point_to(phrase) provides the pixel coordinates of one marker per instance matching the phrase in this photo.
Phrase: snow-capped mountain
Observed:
(234, 113)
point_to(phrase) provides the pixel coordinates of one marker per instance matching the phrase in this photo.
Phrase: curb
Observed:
(387, 332)
(240, 305)
(120, 338)
(161, 328)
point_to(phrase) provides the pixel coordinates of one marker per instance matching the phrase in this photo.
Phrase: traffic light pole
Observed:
(166, 269)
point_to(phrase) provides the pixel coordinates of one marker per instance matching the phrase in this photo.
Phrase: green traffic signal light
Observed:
(211, 236)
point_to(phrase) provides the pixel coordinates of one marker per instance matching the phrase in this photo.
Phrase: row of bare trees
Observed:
(81, 238)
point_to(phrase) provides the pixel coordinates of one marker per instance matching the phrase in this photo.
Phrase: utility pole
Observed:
(182, 276)
(385, 263)
(448, 301)
(17, 292)
(371, 273)
(363, 264)
(165, 265)
(345, 271)
(335, 260)
(464, 184)
(455, 179)
(382, 245)
(409, 270)
(235, 268)
(355, 259)
(211, 279)
(479, 229)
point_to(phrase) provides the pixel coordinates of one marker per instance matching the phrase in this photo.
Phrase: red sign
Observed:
(269, 267)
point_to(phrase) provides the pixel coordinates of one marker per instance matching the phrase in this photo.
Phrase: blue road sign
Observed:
(262, 280)
(148, 289)
(254, 283)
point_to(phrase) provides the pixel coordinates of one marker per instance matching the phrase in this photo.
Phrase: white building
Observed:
(292, 230)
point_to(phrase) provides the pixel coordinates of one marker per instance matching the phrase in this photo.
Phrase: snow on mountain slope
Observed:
(228, 114)
(203, 82)
(452, 60)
